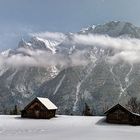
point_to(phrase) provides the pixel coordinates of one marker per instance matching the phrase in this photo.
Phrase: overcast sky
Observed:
(20, 17)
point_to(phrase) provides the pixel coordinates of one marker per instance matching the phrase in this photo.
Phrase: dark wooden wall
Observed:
(118, 116)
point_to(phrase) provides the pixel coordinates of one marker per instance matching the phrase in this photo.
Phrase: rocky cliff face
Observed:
(98, 83)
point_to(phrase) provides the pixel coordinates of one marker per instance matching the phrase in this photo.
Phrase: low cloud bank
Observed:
(39, 58)
(127, 49)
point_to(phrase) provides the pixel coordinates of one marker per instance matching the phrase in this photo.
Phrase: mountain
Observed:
(114, 29)
(98, 83)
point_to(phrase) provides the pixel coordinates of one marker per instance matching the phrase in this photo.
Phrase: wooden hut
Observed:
(39, 108)
(120, 115)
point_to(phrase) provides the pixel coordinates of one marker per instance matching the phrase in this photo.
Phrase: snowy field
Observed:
(65, 128)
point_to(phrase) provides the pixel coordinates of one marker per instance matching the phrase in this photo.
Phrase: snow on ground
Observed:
(65, 128)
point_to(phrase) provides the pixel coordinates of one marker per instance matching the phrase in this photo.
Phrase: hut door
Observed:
(37, 113)
(119, 115)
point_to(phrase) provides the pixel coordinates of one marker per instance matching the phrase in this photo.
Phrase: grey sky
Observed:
(20, 17)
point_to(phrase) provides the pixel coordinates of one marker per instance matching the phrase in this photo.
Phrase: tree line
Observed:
(132, 105)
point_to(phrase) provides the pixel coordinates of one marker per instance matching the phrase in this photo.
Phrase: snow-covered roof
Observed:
(122, 107)
(116, 106)
(47, 103)
(136, 114)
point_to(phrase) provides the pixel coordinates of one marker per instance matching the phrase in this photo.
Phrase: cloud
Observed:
(78, 58)
(126, 49)
(108, 42)
(127, 56)
(39, 58)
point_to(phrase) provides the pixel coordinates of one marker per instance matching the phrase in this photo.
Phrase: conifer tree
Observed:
(87, 111)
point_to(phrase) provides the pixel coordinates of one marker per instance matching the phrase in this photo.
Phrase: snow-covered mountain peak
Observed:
(24, 44)
(114, 29)
(87, 29)
(118, 28)
(41, 43)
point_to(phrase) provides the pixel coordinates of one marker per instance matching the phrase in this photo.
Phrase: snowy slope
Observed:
(65, 128)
